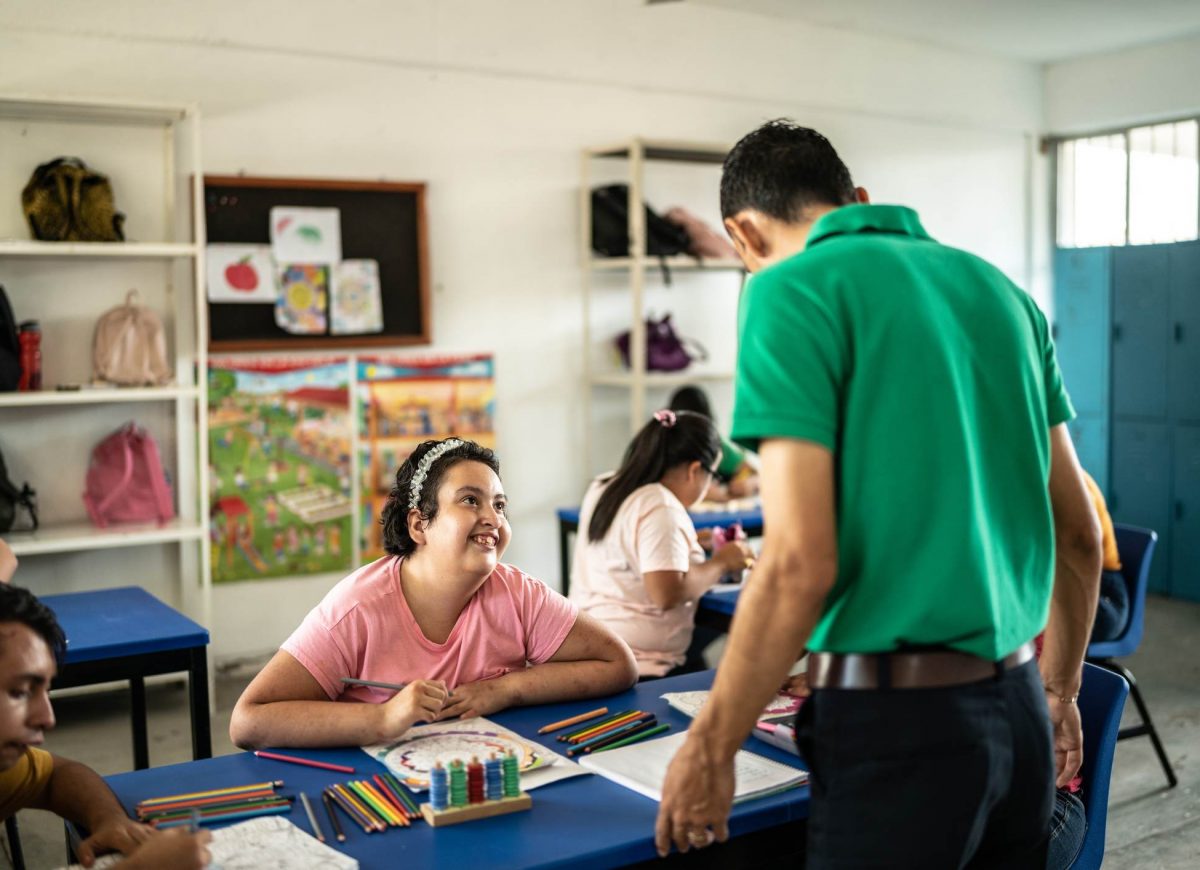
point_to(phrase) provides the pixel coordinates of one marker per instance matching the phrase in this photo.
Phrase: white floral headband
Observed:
(418, 478)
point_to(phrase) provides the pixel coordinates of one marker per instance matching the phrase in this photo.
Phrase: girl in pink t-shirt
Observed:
(467, 634)
(638, 565)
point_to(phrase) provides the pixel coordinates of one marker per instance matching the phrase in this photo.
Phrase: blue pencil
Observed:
(229, 817)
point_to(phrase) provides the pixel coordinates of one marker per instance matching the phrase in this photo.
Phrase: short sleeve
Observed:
(732, 458)
(546, 618)
(327, 651)
(791, 363)
(661, 541)
(1058, 403)
(23, 784)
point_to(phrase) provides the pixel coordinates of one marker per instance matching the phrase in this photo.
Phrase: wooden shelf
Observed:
(122, 250)
(76, 537)
(98, 395)
(659, 379)
(683, 264)
(667, 150)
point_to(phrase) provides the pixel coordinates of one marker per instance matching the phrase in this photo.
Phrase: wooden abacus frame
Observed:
(471, 812)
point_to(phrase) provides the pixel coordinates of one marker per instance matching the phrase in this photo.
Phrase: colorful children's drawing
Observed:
(355, 306)
(280, 442)
(240, 273)
(412, 756)
(306, 235)
(402, 402)
(303, 297)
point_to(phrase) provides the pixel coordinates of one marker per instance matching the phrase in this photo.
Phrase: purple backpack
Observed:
(665, 350)
(125, 481)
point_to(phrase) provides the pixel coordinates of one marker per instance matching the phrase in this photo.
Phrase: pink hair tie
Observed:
(666, 417)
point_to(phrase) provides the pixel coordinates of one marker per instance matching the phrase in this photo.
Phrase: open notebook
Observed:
(642, 767)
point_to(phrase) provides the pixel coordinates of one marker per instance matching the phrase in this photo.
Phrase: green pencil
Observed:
(635, 738)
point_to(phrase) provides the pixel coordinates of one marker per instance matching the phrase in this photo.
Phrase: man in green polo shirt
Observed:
(925, 516)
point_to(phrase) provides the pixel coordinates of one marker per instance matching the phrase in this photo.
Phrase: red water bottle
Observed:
(30, 338)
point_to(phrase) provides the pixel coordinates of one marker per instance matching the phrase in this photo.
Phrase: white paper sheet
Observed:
(240, 273)
(306, 235)
(690, 703)
(356, 306)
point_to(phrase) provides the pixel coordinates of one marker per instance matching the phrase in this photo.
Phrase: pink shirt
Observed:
(652, 531)
(364, 629)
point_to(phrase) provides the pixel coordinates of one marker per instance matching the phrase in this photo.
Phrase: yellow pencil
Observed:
(212, 792)
(380, 808)
(353, 799)
(400, 817)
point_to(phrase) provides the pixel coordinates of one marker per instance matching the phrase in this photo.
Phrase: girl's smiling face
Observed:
(471, 526)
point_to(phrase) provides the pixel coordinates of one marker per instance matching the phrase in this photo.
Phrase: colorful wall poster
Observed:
(240, 273)
(280, 436)
(303, 294)
(402, 402)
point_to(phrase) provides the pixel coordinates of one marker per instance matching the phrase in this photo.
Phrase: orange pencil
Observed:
(574, 720)
(355, 801)
(607, 726)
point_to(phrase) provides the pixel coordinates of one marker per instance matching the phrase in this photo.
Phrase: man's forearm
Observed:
(1072, 612)
(76, 792)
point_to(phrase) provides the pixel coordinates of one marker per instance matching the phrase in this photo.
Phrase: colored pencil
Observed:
(599, 745)
(227, 817)
(385, 819)
(374, 684)
(333, 819)
(378, 804)
(635, 738)
(350, 810)
(589, 733)
(402, 793)
(258, 786)
(574, 720)
(307, 762)
(195, 825)
(580, 748)
(312, 820)
(601, 723)
(608, 729)
(180, 812)
(396, 809)
(352, 798)
(390, 793)
(200, 802)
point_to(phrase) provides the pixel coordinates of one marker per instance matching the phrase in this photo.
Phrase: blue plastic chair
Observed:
(1136, 547)
(1101, 702)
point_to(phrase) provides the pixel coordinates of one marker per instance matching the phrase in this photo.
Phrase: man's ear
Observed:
(747, 235)
(416, 526)
(860, 196)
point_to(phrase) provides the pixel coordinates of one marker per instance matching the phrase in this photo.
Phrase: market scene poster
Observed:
(403, 402)
(280, 455)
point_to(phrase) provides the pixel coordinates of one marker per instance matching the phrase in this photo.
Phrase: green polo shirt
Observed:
(933, 380)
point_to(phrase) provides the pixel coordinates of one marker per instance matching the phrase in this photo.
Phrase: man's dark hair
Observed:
(394, 517)
(18, 604)
(781, 170)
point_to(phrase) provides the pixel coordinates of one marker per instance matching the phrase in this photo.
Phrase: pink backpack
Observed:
(125, 481)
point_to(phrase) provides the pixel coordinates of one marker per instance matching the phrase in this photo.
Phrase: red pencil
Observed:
(308, 762)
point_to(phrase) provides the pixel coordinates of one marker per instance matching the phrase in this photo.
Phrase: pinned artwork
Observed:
(306, 235)
(240, 273)
(303, 298)
(356, 307)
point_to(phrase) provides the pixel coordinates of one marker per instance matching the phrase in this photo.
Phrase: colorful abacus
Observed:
(474, 791)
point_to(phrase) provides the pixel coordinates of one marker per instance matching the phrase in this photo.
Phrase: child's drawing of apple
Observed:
(241, 276)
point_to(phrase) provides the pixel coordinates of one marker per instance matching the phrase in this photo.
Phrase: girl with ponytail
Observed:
(638, 567)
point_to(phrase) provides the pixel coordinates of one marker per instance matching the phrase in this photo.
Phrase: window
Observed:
(1138, 186)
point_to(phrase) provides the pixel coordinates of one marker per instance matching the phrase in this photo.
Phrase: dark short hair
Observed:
(396, 539)
(18, 604)
(781, 170)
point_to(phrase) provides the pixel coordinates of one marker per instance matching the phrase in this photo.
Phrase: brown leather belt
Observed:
(928, 669)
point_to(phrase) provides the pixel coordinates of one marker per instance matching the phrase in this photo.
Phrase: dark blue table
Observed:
(568, 523)
(584, 822)
(128, 634)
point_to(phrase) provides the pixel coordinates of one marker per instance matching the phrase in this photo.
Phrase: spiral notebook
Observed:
(642, 767)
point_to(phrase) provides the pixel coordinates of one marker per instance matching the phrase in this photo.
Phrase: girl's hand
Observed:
(735, 556)
(477, 699)
(419, 701)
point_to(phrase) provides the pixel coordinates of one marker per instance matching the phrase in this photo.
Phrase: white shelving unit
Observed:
(151, 153)
(637, 153)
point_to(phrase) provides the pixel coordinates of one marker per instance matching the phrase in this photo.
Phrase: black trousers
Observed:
(930, 778)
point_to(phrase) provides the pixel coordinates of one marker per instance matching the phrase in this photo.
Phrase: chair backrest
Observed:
(1101, 701)
(1136, 547)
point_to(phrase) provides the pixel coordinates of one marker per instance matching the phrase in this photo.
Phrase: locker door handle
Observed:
(1178, 332)
(1116, 332)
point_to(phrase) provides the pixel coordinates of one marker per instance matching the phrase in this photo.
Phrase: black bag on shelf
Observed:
(10, 347)
(11, 498)
(67, 201)
(610, 227)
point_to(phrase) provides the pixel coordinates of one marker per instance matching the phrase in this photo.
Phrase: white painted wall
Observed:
(1121, 88)
(490, 104)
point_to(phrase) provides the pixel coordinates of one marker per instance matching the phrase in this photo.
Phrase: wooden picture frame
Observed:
(383, 221)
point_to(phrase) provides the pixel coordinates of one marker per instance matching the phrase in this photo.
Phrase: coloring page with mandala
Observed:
(412, 756)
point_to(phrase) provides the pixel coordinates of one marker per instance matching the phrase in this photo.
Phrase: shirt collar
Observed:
(860, 218)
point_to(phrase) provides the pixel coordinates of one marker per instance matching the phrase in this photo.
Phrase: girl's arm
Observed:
(286, 706)
(590, 662)
(668, 589)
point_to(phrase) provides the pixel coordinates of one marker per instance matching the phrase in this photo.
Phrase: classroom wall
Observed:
(490, 104)
(1121, 88)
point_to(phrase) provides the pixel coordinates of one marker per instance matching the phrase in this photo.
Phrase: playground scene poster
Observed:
(404, 401)
(280, 455)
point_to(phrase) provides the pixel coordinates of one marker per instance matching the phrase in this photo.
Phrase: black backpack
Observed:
(610, 227)
(10, 348)
(11, 498)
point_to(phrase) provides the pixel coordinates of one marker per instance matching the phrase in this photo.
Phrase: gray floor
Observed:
(1149, 826)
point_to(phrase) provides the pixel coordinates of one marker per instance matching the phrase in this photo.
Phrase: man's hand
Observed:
(175, 849)
(419, 701)
(477, 699)
(1068, 739)
(796, 686)
(697, 797)
(117, 833)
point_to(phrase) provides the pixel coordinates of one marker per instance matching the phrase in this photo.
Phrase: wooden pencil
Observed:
(574, 720)
(312, 819)
(635, 738)
(350, 810)
(333, 819)
(257, 786)
(402, 793)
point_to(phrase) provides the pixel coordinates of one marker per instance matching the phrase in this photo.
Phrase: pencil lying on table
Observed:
(574, 720)
(307, 762)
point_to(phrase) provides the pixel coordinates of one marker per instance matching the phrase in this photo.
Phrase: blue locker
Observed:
(1089, 434)
(1141, 486)
(1185, 331)
(1082, 288)
(1140, 328)
(1185, 535)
